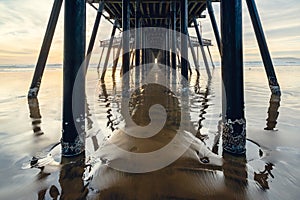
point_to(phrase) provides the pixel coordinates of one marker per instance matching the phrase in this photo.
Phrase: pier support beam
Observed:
(99, 64)
(174, 38)
(214, 24)
(73, 138)
(40, 66)
(168, 46)
(201, 48)
(94, 33)
(212, 62)
(184, 37)
(263, 47)
(137, 43)
(234, 131)
(126, 35)
(194, 55)
(115, 26)
(143, 44)
(116, 60)
(137, 35)
(132, 54)
(197, 54)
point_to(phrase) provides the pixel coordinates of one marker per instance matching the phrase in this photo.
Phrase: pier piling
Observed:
(94, 33)
(263, 47)
(214, 24)
(73, 124)
(194, 55)
(168, 47)
(201, 48)
(126, 35)
(99, 63)
(111, 40)
(212, 62)
(137, 35)
(44, 52)
(184, 39)
(173, 35)
(234, 131)
(116, 60)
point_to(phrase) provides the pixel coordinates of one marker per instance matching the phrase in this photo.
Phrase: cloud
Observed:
(14, 52)
(23, 24)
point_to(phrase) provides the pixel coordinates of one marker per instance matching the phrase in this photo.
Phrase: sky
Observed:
(23, 24)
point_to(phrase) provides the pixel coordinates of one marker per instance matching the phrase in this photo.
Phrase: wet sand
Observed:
(268, 171)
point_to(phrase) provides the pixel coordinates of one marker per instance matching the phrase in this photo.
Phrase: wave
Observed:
(22, 67)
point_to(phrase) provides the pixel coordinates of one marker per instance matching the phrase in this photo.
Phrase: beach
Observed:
(32, 128)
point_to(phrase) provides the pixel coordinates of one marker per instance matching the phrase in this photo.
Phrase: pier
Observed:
(167, 43)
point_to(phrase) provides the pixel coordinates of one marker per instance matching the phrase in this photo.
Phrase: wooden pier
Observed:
(174, 17)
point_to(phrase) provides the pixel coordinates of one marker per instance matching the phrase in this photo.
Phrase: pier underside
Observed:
(154, 13)
(153, 31)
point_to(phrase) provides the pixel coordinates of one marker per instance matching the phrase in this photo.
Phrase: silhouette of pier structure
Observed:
(174, 17)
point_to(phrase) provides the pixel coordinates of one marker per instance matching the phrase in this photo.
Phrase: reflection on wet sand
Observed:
(197, 173)
(191, 176)
(262, 177)
(273, 112)
(35, 115)
(42, 193)
(68, 173)
(235, 174)
(71, 169)
(54, 193)
(204, 104)
(90, 126)
(104, 94)
(71, 178)
(71, 185)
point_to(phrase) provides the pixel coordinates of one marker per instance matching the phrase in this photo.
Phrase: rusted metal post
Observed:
(201, 48)
(115, 26)
(94, 33)
(40, 66)
(214, 24)
(126, 35)
(73, 138)
(184, 37)
(234, 131)
(263, 47)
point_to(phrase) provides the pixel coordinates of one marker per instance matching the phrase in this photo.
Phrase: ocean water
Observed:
(33, 128)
